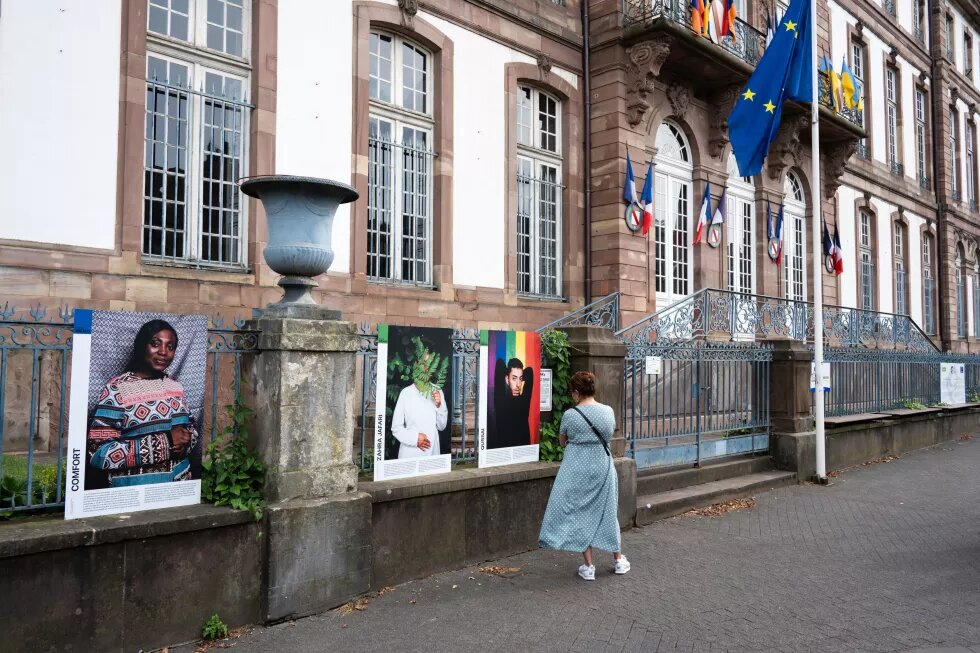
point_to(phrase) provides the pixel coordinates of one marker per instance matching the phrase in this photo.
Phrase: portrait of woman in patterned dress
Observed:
(141, 430)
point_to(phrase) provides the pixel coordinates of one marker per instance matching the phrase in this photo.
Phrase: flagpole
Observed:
(817, 194)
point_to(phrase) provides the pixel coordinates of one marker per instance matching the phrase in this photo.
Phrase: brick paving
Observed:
(887, 558)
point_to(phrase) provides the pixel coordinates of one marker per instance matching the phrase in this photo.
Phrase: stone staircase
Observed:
(663, 493)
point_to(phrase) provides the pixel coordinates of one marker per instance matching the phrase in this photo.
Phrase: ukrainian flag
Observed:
(849, 85)
(827, 68)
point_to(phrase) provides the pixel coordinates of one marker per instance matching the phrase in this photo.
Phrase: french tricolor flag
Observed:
(704, 215)
(779, 235)
(646, 199)
(629, 191)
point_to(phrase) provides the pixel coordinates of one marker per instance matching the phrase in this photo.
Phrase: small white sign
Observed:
(653, 365)
(545, 391)
(825, 369)
(952, 383)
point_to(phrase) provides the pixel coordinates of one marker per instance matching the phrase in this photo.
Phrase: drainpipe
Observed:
(587, 177)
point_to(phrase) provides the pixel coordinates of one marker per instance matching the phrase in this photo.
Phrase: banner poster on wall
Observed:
(413, 420)
(510, 410)
(136, 403)
(952, 383)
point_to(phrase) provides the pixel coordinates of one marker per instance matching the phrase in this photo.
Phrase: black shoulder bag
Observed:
(594, 429)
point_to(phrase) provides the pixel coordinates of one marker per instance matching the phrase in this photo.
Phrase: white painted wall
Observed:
(59, 121)
(314, 128)
(313, 107)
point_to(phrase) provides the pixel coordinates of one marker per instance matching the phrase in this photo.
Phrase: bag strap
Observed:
(594, 429)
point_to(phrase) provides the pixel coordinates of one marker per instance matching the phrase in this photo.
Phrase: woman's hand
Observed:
(563, 439)
(180, 436)
(437, 398)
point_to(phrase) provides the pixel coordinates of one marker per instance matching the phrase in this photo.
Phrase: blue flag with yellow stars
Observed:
(783, 73)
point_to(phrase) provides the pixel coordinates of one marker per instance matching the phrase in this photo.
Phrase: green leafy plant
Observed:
(555, 352)
(424, 368)
(233, 475)
(975, 397)
(214, 628)
(13, 482)
(912, 405)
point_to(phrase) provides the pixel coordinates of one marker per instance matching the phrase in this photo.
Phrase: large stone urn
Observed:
(299, 213)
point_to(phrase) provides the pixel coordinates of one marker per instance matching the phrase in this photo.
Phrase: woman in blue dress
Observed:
(581, 513)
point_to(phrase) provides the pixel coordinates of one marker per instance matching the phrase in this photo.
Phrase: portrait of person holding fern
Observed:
(417, 376)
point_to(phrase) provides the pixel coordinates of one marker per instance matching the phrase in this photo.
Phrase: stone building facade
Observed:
(463, 124)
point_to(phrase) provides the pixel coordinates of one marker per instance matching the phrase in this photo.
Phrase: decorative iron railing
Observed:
(602, 312)
(35, 369)
(897, 169)
(873, 381)
(890, 7)
(747, 44)
(722, 314)
(827, 99)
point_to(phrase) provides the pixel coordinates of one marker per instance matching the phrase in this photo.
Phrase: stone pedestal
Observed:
(303, 380)
(789, 387)
(596, 350)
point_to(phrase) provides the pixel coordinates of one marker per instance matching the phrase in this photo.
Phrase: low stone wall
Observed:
(151, 579)
(421, 526)
(126, 583)
(861, 438)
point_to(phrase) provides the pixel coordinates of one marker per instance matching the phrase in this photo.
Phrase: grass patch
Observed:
(13, 482)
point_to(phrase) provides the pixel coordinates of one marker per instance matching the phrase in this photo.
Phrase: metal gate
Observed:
(684, 404)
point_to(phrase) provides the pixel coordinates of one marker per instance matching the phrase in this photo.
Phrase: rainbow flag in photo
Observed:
(513, 389)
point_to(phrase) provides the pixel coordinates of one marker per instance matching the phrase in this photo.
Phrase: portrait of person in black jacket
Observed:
(508, 426)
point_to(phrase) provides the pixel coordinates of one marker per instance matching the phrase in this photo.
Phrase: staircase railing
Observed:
(602, 312)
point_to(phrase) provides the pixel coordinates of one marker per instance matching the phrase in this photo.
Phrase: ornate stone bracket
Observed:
(787, 149)
(834, 160)
(409, 9)
(644, 61)
(544, 64)
(721, 106)
(680, 98)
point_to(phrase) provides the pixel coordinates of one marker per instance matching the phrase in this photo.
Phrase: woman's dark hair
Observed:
(583, 383)
(137, 360)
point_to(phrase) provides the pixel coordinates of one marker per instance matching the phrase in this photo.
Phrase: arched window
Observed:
(901, 284)
(539, 195)
(741, 230)
(960, 272)
(794, 237)
(928, 286)
(400, 157)
(674, 177)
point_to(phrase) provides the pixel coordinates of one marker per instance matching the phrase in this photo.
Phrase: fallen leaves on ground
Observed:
(358, 605)
(966, 437)
(385, 590)
(878, 461)
(720, 509)
(225, 642)
(499, 571)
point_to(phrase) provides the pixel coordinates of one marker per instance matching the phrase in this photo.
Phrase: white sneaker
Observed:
(622, 565)
(587, 572)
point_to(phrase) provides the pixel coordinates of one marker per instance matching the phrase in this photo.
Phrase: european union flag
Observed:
(783, 73)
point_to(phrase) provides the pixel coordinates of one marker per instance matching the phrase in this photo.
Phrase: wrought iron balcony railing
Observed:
(747, 45)
(897, 169)
(924, 182)
(827, 99)
(862, 150)
(890, 7)
(721, 314)
(957, 195)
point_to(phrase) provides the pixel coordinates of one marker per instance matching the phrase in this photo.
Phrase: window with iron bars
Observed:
(960, 299)
(920, 135)
(400, 162)
(928, 288)
(539, 194)
(901, 298)
(196, 131)
(892, 109)
(976, 299)
(954, 150)
(867, 263)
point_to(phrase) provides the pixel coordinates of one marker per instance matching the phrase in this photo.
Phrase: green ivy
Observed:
(556, 354)
(234, 475)
(908, 404)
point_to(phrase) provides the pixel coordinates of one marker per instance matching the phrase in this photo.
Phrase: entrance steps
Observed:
(665, 493)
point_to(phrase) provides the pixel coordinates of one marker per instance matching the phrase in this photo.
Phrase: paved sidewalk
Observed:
(887, 558)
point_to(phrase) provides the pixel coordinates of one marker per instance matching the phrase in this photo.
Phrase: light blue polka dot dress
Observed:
(582, 508)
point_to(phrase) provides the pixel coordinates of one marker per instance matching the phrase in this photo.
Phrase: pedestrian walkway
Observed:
(887, 558)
